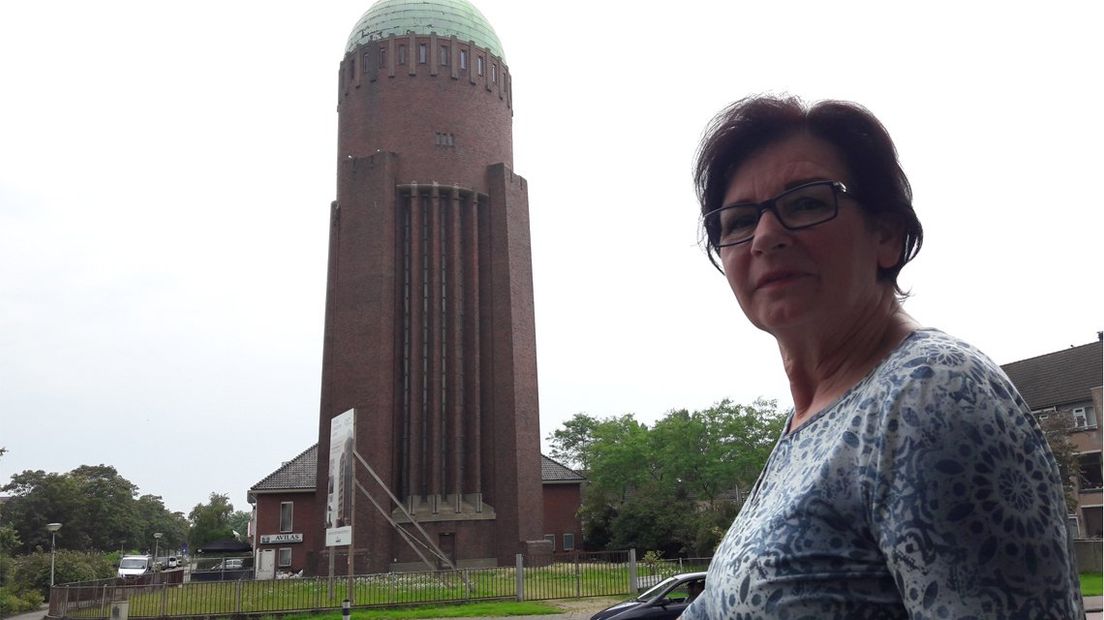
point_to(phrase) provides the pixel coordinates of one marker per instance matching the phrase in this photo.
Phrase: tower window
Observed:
(402, 54)
(443, 138)
(444, 54)
(463, 59)
(479, 62)
(494, 73)
(383, 57)
(423, 53)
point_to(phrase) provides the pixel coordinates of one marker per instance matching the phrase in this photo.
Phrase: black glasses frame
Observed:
(713, 232)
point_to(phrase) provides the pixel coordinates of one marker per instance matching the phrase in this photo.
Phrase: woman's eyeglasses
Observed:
(796, 208)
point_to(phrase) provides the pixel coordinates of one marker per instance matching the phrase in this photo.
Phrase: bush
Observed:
(14, 603)
(31, 573)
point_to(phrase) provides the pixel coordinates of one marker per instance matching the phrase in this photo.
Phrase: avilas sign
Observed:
(273, 539)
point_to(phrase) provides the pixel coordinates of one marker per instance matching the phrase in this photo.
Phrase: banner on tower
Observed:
(339, 486)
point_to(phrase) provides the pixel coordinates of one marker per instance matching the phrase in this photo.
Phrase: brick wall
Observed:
(305, 520)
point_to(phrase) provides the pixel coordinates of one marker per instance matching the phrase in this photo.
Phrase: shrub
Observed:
(32, 572)
(13, 603)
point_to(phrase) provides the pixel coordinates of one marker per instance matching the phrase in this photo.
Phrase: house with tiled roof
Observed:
(563, 494)
(1068, 383)
(285, 520)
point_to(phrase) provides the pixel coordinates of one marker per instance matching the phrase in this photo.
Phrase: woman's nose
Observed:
(769, 233)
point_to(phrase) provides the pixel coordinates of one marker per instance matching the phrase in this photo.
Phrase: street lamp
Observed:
(52, 528)
(156, 545)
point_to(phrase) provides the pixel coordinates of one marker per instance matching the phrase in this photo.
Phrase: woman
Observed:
(911, 480)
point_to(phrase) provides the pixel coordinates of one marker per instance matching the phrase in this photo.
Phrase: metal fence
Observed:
(573, 575)
(578, 574)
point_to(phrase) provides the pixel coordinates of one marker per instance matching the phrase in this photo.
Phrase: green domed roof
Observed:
(445, 17)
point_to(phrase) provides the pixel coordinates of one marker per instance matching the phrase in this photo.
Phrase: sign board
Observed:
(273, 539)
(339, 485)
(339, 536)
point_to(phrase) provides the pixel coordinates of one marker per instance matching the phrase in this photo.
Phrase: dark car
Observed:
(667, 599)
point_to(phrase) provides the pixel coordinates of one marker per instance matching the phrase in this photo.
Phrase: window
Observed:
(463, 59)
(1090, 477)
(443, 54)
(494, 73)
(552, 539)
(423, 53)
(383, 57)
(479, 62)
(285, 516)
(285, 557)
(569, 541)
(365, 62)
(402, 54)
(1084, 417)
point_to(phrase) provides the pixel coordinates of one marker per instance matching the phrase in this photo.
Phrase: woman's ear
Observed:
(890, 235)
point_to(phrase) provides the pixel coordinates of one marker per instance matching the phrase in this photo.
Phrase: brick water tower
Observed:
(429, 330)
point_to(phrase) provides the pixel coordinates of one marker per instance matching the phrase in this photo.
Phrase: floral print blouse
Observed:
(926, 491)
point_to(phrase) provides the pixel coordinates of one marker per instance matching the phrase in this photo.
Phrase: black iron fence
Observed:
(578, 574)
(572, 575)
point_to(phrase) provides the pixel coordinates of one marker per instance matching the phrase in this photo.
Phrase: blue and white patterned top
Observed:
(926, 491)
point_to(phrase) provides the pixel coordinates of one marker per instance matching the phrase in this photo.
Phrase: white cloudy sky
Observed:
(166, 171)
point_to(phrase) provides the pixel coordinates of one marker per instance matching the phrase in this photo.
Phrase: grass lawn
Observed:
(1091, 584)
(489, 609)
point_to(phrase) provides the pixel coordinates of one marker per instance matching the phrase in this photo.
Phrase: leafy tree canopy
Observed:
(210, 521)
(96, 506)
(673, 487)
(1056, 426)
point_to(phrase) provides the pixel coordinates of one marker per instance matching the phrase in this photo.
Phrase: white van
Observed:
(134, 566)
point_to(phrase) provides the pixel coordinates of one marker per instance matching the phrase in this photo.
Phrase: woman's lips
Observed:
(774, 279)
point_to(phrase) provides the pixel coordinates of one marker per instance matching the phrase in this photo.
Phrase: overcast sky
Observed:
(166, 171)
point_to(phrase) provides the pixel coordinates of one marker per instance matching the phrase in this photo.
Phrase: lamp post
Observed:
(52, 528)
(156, 545)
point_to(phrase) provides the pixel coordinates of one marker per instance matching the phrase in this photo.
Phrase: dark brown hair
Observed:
(876, 180)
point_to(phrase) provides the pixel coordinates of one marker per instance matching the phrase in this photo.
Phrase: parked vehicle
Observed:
(134, 566)
(228, 564)
(171, 562)
(668, 599)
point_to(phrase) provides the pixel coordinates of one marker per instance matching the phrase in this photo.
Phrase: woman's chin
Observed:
(782, 317)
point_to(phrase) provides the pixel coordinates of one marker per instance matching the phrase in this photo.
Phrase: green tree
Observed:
(673, 487)
(210, 521)
(718, 451)
(38, 498)
(620, 458)
(108, 511)
(155, 518)
(239, 523)
(1056, 425)
(96, 506)
(571, 444)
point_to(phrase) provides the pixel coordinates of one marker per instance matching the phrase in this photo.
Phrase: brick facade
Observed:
(429, 330)
(266, 522)
(561, 507)
(561, 498)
